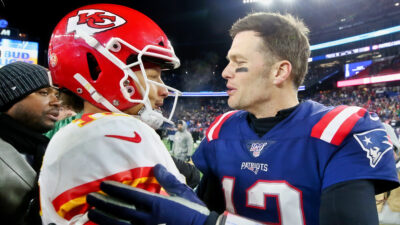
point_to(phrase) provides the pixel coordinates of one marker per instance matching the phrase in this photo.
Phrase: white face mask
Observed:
(153, 118)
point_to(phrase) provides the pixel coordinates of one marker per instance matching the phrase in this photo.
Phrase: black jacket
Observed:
(21, 153)
(191, 173)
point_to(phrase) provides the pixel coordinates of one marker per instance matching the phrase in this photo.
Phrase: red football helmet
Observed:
(95, 50)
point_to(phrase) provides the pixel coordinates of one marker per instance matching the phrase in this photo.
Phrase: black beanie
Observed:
(18, 80)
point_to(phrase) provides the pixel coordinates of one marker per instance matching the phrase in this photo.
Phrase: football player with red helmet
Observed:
(110, 56)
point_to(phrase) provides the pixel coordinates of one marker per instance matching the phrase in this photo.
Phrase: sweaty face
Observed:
(37, 111)
(157, 93)
(247, 73)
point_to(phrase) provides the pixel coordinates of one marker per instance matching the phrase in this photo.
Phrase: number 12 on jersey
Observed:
(289, 199)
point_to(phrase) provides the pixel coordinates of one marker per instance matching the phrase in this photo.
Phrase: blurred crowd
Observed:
(382, 100)
(200, 112)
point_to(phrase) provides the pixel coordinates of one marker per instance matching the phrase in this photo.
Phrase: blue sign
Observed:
(3, 23)
(352, 69)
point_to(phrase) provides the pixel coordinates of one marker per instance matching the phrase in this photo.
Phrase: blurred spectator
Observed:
(200, 113)
(29, 107)
(71, 104)
(74, 106)
(65, 112)
(388, 203)
(170, 137)
(182, 147)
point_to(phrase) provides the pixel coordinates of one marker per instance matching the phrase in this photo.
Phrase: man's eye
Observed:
(152, 78)
(44, 93)
(155, 78)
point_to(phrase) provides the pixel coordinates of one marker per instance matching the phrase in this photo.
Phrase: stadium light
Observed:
(214, 93)
(264, 2)
(355, 51)
(360, 37)
(369, 80)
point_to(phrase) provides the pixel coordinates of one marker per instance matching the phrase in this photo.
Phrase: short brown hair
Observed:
(285, 36)
(71, 101)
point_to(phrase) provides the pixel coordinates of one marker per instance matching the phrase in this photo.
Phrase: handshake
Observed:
(126, 205)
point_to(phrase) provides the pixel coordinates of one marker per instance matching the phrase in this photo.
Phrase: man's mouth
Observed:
(230, 90)
(53, 114)
(158, 105)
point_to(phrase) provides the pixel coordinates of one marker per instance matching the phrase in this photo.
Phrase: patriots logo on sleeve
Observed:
(375, 143)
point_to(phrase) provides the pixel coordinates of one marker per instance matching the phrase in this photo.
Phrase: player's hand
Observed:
(127, 205)
(173, 186)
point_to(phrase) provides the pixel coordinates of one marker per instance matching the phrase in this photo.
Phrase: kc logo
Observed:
(91, 21)
(97, 20)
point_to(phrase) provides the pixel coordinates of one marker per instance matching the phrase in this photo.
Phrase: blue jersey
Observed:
(278, 178)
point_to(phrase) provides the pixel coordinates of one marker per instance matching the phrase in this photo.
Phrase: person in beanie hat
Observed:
(19, 79)
(29, 106)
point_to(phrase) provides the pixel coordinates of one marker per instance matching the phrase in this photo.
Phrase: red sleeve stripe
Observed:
(79, 206)
(347, 126)
(325, 120)
(337, 124)
(213, 131)
(93, 186)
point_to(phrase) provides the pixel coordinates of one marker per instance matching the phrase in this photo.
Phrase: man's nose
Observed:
(55, 100)
(227, 72)
(162, 91)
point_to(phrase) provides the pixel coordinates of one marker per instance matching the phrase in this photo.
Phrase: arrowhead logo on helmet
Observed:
(93, 21)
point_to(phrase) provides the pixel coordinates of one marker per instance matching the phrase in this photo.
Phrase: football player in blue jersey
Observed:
(273, 160)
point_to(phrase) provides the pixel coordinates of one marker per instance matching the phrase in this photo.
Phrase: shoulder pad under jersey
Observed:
(335, 125)
(213, 130)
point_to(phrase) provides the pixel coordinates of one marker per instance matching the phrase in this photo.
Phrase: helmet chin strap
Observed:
(149, 116)
(152, 117)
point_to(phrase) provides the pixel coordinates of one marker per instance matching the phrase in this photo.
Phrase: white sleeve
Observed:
(234, 219)
(80, 157)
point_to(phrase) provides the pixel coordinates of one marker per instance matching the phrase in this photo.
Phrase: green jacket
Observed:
(62, 123)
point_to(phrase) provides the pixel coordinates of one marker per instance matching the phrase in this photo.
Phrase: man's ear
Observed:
(283, 69)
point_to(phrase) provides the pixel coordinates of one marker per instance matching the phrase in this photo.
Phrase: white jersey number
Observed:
(289, 199)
